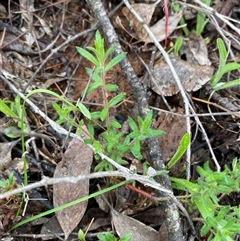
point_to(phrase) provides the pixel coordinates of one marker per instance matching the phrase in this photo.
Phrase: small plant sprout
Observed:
(223, 68)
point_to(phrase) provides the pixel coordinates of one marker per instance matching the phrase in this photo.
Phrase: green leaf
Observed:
(147, 121)
(222, 213)
(104, 113)
(222, 50)
(154, 133)
(132, 124)
(178, 45)
(6, 110)
(212, 222)
(205, 206)
(95, 115)
(115, 61)
(88, 56)
(230, 67)
(126, 237)
(81, 235)
(225, 85)
(91, 129)
(116, 99)
(205, 229)
(97, 146)
(115, 124)
(192, 187)
(182, 147)
(92, 87)
(83, 109)
(109, 51)
(106, 237)
(135, 149)
(57, 107)
(99, 44)
(111, 87)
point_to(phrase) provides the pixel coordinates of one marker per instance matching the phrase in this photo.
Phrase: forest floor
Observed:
(38, 41)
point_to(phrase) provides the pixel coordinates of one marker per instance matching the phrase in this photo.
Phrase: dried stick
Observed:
(169, 207)
(182, 91)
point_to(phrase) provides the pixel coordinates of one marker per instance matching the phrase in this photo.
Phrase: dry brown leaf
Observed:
(5, 154)
(51, 229)
(140, 232)
(192, 76)
(175, 128)
(145, 11)
(195, 50)
(77, 161)
(158, 29)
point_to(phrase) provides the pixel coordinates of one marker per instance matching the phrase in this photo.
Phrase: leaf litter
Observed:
(193, 61)
(77, 160)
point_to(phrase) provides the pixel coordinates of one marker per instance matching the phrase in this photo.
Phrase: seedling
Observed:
(223, 68)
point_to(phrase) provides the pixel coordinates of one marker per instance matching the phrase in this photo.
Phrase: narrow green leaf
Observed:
(222, 213)
(182, 147)
(115, 124)
(230, 67)
(116, 99)
(92, 87)
(99, 44)
(109, 51)
(178, 45)
(133, 126)
(135, 150)
(192, 187)
(91, 49)
(81, 235)
(154, 133)
(59, 208)
(222, 50)
(87, 55)
(115, 61)
(104, 113)
(95, 115)
(205, 229)
(212, 222)
(111, 87)
(6, 110)
(147, 121)
(126, 237)
(83, 109)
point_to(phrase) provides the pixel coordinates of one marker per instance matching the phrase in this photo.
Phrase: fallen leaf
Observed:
(195, 50)
(170, 141)
(145, 11)
(51, 229)
(140, 232)
(5, 154)
(77, 161)
(158, 29)
(192, 76)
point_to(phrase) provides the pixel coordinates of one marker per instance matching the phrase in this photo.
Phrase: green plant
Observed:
(105, 237)
(114, 142)
(201, 20)
(14, 110)
(220, 222)
(223, 68)
(7, 184)
(111, 237)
